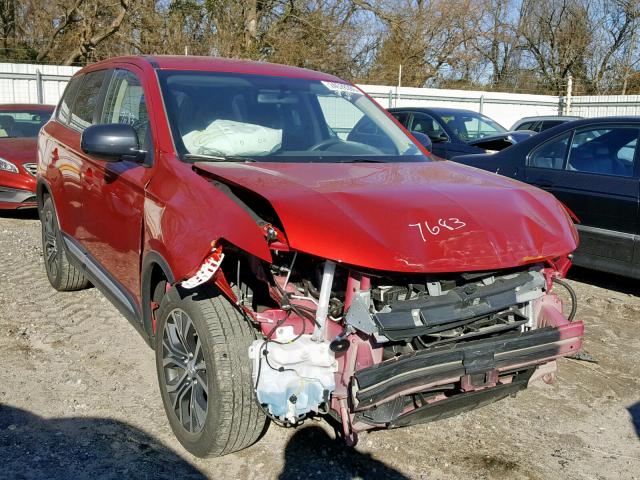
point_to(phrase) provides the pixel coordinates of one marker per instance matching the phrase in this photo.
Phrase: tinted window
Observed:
(526, 126)
(609, 151)
(402, 117)
(86, 100)
(426, 124)
(550, 123)
(67, 99)
(125, 103)
(22, 123)
(469, 125)
(550, 154)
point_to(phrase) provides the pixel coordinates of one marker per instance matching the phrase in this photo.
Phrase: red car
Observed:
(19, 127)
(284, 265)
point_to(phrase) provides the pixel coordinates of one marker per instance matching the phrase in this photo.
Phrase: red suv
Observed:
(284, 264)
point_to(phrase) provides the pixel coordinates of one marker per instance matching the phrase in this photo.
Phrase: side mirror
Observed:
(423, 139)
(112, 141)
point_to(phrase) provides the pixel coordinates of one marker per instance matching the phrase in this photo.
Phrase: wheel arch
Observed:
(155, 269)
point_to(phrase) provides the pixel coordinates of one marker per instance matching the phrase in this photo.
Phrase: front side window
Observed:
(471, 126)
(604, 150)
(86, 102)
(551, 154)
(23, 123)
(278, 119)
(125, 103)
(426, 124)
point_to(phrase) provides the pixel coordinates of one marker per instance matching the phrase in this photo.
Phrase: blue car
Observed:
(455, 132)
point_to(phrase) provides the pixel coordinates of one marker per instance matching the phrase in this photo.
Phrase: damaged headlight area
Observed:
(380, 349)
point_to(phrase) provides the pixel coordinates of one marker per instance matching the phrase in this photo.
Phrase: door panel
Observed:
(591, 171)
(114, 192)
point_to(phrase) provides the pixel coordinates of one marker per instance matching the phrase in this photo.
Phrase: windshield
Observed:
(471, 126)
(278, 119)
(22, 123)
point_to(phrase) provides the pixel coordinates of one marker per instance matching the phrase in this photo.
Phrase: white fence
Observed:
(27, 83)
(506, 108)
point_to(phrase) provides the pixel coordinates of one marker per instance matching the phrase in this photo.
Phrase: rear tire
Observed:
(62, 275)
(204, 372)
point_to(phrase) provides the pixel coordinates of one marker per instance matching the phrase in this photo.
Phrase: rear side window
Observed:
(604, 150)
(86, 102)
(526, 126)
(125, 103)
(67, 100)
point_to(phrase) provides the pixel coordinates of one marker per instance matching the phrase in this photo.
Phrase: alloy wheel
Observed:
(185, 371)
(50, 244)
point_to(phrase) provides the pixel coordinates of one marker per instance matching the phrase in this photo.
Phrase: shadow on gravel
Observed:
(605, 280)
(634, 411)
(32, 447)
(312, 453)
(28, 214)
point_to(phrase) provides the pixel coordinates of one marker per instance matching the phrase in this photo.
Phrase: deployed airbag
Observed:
(228, 137)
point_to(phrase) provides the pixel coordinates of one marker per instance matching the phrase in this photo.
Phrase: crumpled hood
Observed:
(408, 217)
(511, 137)
(19, 150)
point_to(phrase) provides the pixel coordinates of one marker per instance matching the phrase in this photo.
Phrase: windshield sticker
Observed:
(342, 89)
(443, 225)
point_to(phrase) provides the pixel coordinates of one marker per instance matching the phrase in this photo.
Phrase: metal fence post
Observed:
(390, 98)
(39, 87)
(481, 103)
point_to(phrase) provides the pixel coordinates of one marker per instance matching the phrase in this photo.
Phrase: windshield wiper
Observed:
(362, 160)
(217, 158)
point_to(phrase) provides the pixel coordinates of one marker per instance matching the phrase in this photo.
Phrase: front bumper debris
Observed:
(475, 365)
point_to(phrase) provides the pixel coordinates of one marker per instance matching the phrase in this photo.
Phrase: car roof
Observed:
(437, 110)
(552, 132)
(26, 106)
(549, 117)
(214, 64)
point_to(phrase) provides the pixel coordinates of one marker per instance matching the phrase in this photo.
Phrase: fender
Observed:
(183, 235)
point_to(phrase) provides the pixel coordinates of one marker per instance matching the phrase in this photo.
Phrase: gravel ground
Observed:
(79, 399)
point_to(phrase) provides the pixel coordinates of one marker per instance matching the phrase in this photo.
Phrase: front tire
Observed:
(204, 372)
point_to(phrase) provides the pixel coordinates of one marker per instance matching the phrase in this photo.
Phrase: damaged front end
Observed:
(383, 350)
(412, 324)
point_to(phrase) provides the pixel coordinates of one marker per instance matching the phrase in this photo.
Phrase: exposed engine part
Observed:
(319, 334)
(572, 294)
(358, 314)
(293, 374)
(415, 313)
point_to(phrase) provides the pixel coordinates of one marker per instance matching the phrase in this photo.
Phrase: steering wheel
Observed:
(324, 144)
